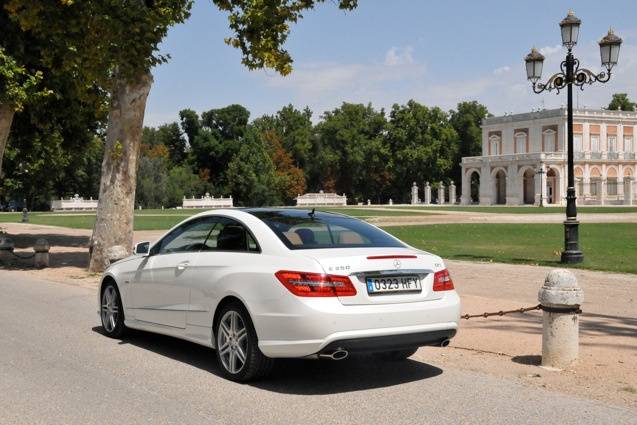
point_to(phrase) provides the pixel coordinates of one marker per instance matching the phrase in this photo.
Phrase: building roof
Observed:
(560, 112)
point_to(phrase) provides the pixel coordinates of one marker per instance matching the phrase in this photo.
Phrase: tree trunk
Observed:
(114, 220)
(6, 118)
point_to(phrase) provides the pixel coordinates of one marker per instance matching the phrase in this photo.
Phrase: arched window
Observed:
(494, 144)
(520, 142)
(550, 141)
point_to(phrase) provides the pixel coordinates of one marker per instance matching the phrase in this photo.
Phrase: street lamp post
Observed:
(571, 75)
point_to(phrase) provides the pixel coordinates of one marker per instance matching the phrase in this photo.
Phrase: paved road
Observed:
(56, 367)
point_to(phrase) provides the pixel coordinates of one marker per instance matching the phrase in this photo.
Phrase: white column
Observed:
(441, 194)
(486, 185)
(427, 193)
(512, 197)
(414, 194)
(465, 190)
(629, 195)
(452, 193)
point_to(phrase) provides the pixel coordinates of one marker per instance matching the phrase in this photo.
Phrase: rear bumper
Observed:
(393, 342)
(318, 324)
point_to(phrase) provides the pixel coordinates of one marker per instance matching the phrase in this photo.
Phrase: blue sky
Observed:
(390, 51)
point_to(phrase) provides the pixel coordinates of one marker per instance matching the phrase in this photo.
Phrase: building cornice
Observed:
(578, 114)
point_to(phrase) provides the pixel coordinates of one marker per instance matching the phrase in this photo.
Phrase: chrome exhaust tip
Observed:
(338, 354)
(445, 342)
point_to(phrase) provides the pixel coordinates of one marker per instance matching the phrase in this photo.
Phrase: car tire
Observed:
(112, 311)
(237, 352)
(397, 355)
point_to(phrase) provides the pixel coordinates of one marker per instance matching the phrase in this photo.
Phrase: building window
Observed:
(628, 144)
(595, 143)
(520, 143)
(577, 142)
(494, 143)
(549, 141)
(611, 185)
(612, 143)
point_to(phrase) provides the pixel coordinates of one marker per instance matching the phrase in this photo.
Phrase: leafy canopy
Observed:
(261, 28)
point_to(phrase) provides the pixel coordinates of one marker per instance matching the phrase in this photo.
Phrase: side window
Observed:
(189, 237)
(230, 235)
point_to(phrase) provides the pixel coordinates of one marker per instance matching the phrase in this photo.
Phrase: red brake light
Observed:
(304, 284)
(442, 281)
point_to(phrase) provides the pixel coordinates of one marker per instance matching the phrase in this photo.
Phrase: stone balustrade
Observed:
(320, 199)
(208, 201)
(76, 203)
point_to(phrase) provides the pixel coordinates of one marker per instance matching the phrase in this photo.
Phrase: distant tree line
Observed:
(353, 149)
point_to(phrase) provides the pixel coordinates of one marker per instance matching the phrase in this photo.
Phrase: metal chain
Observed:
(574, 309)
(502, 312)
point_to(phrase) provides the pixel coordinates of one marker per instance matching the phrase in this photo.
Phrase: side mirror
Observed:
(142, 248)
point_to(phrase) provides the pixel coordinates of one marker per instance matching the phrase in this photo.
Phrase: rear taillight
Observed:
(442, 281)
(305, 284)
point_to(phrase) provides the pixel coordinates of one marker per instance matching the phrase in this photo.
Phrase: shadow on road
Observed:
(295, 376)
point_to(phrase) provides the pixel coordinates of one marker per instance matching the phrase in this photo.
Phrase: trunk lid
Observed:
(376, 266)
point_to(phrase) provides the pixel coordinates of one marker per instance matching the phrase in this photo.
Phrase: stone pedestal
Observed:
(427, 194)
(441, 194)
(452, 193)
(41, 257)
(560, 297)
(414, 194)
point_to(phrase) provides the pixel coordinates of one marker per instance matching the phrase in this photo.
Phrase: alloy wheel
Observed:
(232, 341)
(110, 309)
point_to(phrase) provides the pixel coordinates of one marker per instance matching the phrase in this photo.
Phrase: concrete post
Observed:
(391, 202)
(441, 194)
(6, 249)
(41, 258)
(427, 193)
(452, 193)
(25, 215)
(560, 297)
(414, 194)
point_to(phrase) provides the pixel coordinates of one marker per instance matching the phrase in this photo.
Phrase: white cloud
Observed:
(551, 50)
(400, 77)
(501, 70)
(397, 56)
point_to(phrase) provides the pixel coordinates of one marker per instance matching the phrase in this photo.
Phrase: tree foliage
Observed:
(621, 102)
(261, 28)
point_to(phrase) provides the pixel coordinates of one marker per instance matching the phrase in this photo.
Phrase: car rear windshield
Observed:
(300, 229)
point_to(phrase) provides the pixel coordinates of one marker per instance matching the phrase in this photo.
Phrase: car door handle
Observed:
(182, 265)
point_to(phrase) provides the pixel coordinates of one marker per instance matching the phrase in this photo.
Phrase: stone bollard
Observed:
(41, 257)
(116, 253)
(560, 297)
(6, 249)
(25, 215)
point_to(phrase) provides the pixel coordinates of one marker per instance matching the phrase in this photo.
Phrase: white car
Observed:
(259, 284)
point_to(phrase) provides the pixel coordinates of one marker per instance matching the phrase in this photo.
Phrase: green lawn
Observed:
(611, 247)
(144, 220)
(522, 210)
(162, 219)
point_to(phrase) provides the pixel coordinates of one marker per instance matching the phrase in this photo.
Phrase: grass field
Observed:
(163, 219)
(522, 210)
(611, 247)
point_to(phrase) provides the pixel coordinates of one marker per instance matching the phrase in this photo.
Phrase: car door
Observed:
(230, 248)
(162, 297)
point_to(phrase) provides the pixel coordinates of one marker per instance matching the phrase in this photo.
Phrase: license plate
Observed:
(393, 284)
